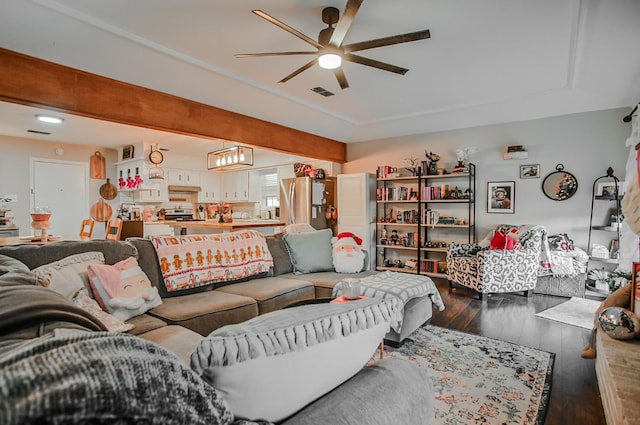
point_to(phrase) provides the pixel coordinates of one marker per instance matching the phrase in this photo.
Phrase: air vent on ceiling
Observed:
(322, 91)
(46, 133)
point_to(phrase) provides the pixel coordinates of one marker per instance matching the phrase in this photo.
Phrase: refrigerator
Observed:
(307, 200)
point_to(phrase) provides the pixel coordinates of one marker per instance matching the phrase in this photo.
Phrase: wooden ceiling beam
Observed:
(35, 82)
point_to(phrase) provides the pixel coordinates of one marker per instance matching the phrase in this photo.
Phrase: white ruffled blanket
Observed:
(289, 330)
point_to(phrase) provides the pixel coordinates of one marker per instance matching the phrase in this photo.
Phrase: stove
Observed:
(180, 214)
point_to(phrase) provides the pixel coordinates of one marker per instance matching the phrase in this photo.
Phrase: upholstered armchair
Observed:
(487, 268)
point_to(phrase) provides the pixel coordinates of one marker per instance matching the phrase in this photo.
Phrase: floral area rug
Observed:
(479, 380)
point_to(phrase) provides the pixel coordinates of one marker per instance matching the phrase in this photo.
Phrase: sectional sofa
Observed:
(181, 323)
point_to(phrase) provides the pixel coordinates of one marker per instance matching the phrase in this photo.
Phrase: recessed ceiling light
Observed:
(49, 119)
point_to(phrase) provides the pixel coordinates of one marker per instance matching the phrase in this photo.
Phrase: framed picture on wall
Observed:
(635, 288)
(608, 189)
(127, 152)
(530, 171)
(501, 197)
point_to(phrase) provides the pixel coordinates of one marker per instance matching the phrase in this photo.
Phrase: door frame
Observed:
(84, 165)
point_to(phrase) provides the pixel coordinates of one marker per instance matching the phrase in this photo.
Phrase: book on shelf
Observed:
(430, 217)
(399, 193)
(430, 266)
(435, 192)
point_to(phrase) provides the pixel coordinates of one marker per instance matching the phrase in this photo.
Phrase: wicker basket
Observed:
(562, 286)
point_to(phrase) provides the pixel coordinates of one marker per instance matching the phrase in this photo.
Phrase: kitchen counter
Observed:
(212, 226)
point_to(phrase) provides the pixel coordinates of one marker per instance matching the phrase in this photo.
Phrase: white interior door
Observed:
(356, 207)
(62, 186)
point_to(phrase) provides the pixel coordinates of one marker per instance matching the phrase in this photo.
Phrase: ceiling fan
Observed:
(330, 51)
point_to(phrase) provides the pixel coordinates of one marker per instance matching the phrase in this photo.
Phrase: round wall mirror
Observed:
(560, 185)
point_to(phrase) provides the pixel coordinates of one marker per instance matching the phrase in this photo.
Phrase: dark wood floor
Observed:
(575, 398)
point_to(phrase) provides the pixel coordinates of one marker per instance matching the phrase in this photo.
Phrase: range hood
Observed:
(183, 189)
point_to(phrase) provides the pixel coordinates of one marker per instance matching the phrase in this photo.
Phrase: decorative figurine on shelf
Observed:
(383, 238)
(394, 239)
(412, 165)
(432, 159)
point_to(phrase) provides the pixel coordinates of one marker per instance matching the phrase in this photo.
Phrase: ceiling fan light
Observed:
(329, 61)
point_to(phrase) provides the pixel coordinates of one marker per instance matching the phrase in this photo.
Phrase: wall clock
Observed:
(155, 156)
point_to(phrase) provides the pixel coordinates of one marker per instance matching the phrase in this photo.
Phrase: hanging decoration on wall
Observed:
(560, 185)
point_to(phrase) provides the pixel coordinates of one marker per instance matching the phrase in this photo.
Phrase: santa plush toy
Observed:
(347, 254)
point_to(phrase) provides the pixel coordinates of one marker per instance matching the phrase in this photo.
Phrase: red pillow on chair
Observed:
(502, 241)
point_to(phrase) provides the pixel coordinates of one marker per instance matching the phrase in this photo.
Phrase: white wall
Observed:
(15, 167)
(585, 143)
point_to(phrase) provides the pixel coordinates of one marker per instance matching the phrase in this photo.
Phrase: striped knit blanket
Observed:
(104, 378)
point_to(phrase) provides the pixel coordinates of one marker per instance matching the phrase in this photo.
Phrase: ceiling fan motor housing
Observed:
(330, 15)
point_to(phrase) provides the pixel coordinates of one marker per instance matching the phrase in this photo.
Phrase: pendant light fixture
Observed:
(233, 157)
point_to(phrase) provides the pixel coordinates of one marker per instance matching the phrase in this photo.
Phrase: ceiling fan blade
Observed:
(374, 63)
(387, 41)
(342, 79)
(343, 25)
(299, 70)
(254, 55)
(287, 28)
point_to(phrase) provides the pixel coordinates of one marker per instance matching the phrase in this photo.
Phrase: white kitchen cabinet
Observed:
(357, 209)
(184, 177)
(132, 168)
(159, 194)
(235, 186)
(210, 187)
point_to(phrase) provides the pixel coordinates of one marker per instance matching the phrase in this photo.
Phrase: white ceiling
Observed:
(487, 62)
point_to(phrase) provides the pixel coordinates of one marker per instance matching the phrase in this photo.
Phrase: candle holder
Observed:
(40, 223)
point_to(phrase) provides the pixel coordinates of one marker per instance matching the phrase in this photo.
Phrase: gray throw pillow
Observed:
(281, 260)
(310, 252)
(10, 264)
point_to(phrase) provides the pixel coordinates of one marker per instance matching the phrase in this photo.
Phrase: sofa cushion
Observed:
(405, 397)
(178, 340)
(288, 349)
(10, 264)
(325, 281)
(122, 289)
(272, 293)
(37, 255)
(281, 260)
(68, 275)
(310, 252)
(193, 263)
(206, 311)
(112, 323)
(145, 323)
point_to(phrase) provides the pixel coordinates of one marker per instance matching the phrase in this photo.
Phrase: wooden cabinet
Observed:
(210, 187)
(184, 177)
(419, 216)
(356, 209)
(234, 186)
